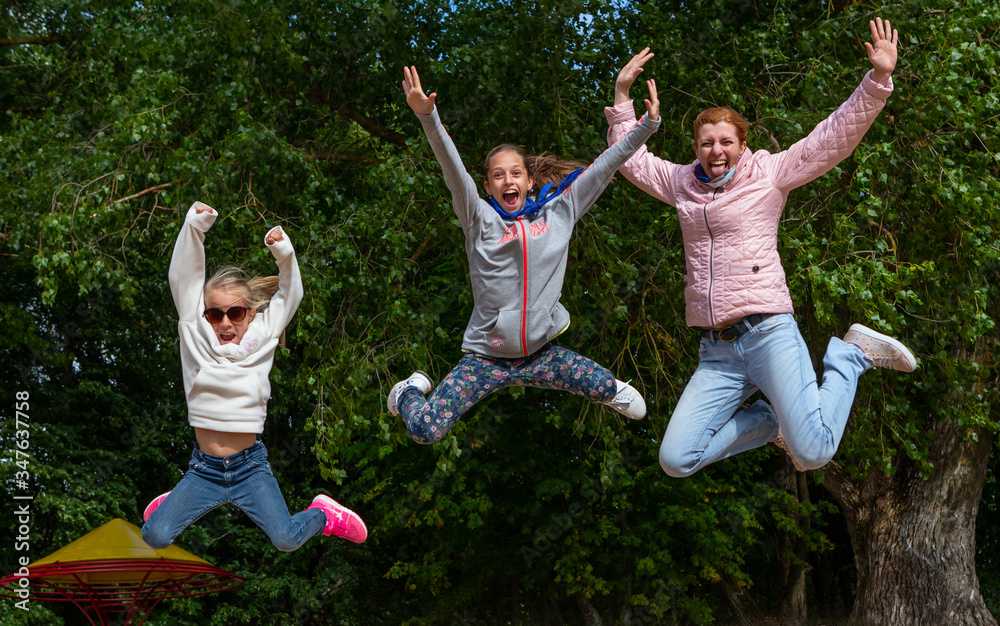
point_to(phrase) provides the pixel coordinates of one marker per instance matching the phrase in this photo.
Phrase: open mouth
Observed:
(510, 198)
(227, 337)
(718, 166)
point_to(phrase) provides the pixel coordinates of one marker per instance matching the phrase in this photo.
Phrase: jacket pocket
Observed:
(505, 337)
(539, 329)
(754, 266)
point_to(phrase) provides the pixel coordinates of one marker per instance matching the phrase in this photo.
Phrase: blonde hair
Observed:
(721, 114)
(543, 168)
(255, 292)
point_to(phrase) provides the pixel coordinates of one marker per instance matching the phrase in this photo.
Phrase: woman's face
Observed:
(718, 148)
(227, 330)
(507, 181)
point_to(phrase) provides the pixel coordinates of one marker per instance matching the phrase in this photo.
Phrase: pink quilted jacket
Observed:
(731, 233)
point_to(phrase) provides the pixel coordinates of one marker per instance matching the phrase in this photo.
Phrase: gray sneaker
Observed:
(783, 446)
(628, 401)
(417, 379)
(881, 350)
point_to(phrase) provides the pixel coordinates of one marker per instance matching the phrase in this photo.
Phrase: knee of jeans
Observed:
(812, 461)
(286, 544)
(676, 465)
(153, 538)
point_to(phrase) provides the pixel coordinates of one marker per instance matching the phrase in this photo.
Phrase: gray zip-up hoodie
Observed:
(517, 265)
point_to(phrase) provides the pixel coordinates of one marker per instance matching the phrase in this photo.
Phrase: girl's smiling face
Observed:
(507, 181)
(226, 329)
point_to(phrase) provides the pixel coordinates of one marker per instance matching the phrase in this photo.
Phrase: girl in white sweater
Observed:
(229, 329)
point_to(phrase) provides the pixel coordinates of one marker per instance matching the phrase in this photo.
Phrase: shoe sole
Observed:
(868, 332)
(152, 506)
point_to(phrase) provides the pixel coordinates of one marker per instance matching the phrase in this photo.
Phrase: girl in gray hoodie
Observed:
(517, 244)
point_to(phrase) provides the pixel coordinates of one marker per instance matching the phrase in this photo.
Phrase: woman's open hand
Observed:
(882, 50)
(629, 73)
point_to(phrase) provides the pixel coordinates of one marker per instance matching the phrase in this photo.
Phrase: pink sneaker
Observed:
(152, 506)
(340, 520)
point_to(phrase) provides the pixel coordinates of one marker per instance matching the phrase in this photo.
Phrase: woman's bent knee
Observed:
(675, 465)
(813, 461)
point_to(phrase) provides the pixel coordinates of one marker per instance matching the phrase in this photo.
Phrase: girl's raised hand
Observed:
(652, 102)
(415, 97)
(276, 234)
(882, 50)
(629, 73)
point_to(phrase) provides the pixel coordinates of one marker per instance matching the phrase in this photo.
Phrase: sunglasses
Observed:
(234, 313)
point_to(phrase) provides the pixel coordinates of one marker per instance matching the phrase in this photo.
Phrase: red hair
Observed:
(722, 114)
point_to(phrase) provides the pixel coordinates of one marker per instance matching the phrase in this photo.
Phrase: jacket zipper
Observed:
(524, 296)
(711, 258)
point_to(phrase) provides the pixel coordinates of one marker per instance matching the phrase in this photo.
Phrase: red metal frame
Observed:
(92, 586)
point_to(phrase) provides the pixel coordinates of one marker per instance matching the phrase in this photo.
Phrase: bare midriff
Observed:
(218, 443)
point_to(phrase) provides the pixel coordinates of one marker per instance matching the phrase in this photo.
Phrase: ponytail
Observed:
(543, 168)
(546, 168)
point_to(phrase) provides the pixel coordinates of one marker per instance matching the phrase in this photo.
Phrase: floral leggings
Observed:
(477, 376)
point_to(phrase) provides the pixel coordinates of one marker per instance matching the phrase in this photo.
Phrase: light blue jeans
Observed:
(243, 479)
(707, 427)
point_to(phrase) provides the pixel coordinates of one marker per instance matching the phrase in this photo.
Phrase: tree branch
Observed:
(349, 109)
(142, 193)
(10, 42)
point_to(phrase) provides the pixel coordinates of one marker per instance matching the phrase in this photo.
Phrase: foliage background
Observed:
(118, 115)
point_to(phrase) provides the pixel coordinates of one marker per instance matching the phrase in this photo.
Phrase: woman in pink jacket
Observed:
(729, 202)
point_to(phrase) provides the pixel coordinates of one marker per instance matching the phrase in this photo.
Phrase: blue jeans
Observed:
(243, 479)
(707, 427)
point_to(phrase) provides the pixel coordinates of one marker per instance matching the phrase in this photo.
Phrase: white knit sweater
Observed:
(227, 386)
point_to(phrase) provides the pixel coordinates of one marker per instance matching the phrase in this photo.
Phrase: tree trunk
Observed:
(742, 603)
(914, 540)
(792, 601)
(590, 615)
(515, 601)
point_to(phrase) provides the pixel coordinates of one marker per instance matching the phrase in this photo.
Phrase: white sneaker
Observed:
(417, 379)
(628, 401)
(881, 350)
